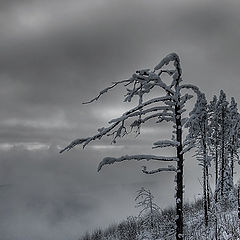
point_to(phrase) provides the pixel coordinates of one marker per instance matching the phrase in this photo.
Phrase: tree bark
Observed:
(179, 193)
(222, 153)
(232, 162)
(239, 202)
(205, 177)
(151, 209)
(208, 190)
(205, 205)
(216, 170)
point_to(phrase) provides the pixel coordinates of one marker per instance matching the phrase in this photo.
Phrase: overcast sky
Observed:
(55, 54)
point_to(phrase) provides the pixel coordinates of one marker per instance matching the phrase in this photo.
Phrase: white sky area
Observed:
(56, 54)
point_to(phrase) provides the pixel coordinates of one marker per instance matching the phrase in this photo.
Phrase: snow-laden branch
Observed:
(74, 143)
(140, 106)
(85, 141)
(165, 143)
(165, 61)
(167, 169)
(149, 81)
(188, 148)
(192, 87)
(115, 122)
(163, 85)
(143, 112)
(111, 160)
(185, 98)
(128, 81)
(167, 117)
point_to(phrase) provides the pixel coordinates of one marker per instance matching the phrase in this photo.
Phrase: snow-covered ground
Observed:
(225, 227)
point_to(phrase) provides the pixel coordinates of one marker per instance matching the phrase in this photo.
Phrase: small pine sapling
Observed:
(150, 210)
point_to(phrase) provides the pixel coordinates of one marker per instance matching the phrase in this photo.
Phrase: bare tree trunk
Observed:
(151, 210)
(216, 227)
(239, 201)
(222, 154)
(232, 162)
(205, 206)
(179, 194)
(216, 170)
(205, 176)
(208, 190)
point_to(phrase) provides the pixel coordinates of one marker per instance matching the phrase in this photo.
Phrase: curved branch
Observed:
(168, 169)
(149, 110)
(111, 160)
(115, 122)
(107, 89)
(165, 143)
(140, 106)
(166, 60)
(192, 87)
(85, 141)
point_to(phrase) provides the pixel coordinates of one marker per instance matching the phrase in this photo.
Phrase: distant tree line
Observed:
(215, 129)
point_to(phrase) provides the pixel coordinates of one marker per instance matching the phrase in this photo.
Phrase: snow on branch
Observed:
(149, 110)
(165, 143)
(185, 98)
(143, 82)
(115, 122)
(192, 87)
(163, 85)
(140, 106)
(165, 61)
(111, 160)
(74, 143)
(188, 148)
(167, 117)
(85, 141)
(128, 81)
(170, 168)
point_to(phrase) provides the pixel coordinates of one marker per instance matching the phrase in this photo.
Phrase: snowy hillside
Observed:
(225, 225)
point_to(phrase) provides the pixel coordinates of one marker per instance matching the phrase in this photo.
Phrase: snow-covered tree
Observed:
(224, 145)
(225, 180)
(169, 107)
(150, 210)
(214, 137)
(234, 136)
(199, 132)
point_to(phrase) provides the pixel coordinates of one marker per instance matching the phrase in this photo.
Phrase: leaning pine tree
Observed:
(169, 107)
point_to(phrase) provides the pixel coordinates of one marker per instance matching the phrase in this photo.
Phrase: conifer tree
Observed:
(199, 132)
(150, 210)
(225, 181)
(234, 140)
(214, 137)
